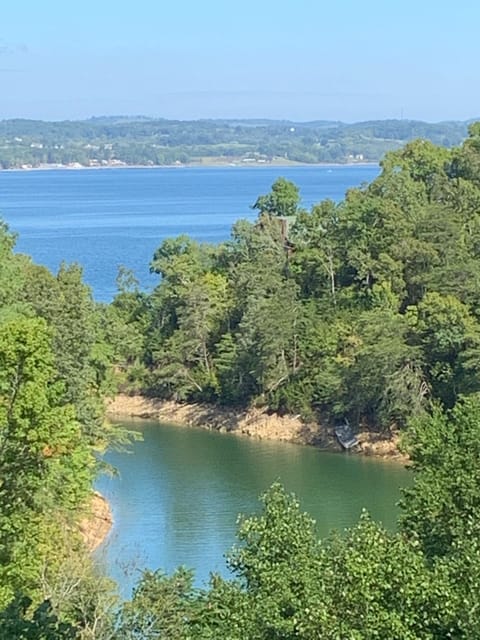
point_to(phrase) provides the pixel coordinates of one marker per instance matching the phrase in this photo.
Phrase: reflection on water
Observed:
(180, 490)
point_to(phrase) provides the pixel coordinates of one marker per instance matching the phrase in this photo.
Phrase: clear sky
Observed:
(304, 59)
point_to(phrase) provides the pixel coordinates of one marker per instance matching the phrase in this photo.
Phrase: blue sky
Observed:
(305, 59)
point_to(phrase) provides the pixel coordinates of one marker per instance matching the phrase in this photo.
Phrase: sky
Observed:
(346, 60)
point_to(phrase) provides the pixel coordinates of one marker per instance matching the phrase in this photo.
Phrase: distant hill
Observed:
(139, 140)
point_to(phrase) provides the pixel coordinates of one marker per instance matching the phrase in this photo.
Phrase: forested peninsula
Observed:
(129, 141)
(366, 309)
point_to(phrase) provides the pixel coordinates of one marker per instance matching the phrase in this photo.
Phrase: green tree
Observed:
(283, 200)
(18, 622)
(11, 274)
(450, 340)
(442, 509)
(45, 465)
(82, 357)
(316, 259)
(162, 608)
(367, 583)
(384, 380)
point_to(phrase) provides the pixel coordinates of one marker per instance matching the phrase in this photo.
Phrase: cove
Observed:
(179, 491)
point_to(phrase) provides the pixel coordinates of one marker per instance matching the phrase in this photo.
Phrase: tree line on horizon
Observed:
(367, 308)
(157, 142)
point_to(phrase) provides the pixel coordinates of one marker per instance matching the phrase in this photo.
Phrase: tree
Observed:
(46, 467)
(11, 273)
(367, 583)
(384, 380)
(283, 200)
(442, 509)
(316, 257)
(82, 357)
(266, 338)
(189, 310)
(277, 562)
(450, 340)
(18, 621)
(162, 608)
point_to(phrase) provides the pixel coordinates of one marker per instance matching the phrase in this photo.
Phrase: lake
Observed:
(104, 218)
(179, 492)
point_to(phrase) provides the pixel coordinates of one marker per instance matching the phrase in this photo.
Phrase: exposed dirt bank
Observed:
(380, 446)
(256, 423)
(97, 522)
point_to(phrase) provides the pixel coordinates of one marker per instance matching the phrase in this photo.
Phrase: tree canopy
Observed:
(366, 308)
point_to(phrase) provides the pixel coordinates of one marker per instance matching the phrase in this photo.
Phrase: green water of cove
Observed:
(179, 491)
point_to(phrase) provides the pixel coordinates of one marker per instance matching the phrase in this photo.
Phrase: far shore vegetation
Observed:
(129, 141)
(367, 309)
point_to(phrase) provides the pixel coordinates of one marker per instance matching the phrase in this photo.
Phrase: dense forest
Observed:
(368, 308)
(111, 141)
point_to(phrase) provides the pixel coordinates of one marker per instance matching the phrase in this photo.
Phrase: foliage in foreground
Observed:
(54, 371)
(421, 582)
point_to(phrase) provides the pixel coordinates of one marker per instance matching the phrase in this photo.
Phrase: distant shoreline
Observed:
(190, 165)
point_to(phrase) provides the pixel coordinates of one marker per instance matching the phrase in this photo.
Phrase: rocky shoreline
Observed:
(254, 423)
(96, 522)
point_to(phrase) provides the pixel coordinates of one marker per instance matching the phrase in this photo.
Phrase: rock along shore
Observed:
(96, 522)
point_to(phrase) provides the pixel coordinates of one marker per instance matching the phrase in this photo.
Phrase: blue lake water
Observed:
(180, 489)
(104, 218)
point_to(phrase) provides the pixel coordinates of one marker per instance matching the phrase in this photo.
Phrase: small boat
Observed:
(345, 435)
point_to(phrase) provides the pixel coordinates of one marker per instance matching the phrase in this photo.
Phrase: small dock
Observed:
(345, 435)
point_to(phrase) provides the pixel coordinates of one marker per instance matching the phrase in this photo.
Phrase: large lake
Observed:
(179, 492)
(103, 218)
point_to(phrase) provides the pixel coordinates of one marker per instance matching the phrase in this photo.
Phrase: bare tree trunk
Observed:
(332, 279)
